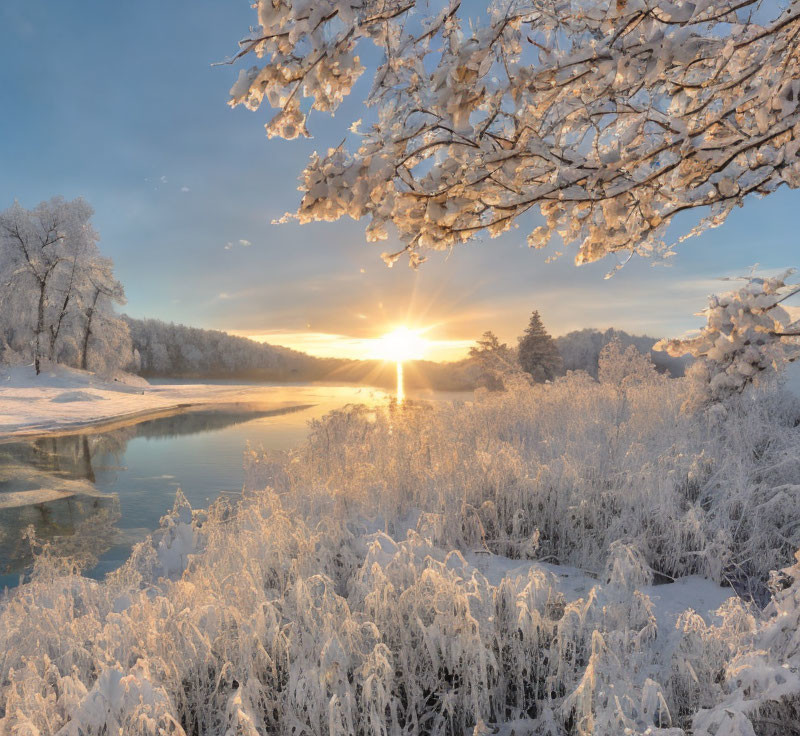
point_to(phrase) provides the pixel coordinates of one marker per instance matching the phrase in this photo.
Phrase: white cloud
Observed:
(185, 189)
(242, 243)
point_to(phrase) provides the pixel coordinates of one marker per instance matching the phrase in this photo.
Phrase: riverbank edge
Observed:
(119, 421)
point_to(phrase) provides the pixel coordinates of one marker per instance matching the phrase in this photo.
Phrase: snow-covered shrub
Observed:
(279, 625)
(299, 628)
(623, 367)
(355, 587)
(562, 471)
(748, 338)
(742, 675)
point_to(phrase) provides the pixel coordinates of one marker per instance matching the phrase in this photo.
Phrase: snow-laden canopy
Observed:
(609, 117)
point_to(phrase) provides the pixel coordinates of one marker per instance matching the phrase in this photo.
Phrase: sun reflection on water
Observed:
(401, 394)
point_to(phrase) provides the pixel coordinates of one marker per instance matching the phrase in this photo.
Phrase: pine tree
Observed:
(538, 354)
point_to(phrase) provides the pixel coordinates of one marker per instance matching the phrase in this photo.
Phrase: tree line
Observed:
(174, 350)
(543, 358)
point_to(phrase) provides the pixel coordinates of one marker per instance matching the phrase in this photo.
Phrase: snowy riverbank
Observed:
(63, 399)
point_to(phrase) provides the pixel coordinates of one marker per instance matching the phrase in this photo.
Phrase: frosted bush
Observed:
(622, 367)
(305, 629)
(351, 590)
(561, 471)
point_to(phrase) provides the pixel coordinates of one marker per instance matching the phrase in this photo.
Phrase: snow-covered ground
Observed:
(464, 568)
(62, 399)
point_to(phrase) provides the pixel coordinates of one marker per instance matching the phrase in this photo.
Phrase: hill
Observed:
(169, 350)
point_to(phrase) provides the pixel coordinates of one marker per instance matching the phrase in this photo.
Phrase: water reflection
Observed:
(401, 390)
(67, 488)
(95, 494)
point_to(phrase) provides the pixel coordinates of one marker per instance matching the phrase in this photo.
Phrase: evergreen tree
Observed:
(538, 354)
(494, 359)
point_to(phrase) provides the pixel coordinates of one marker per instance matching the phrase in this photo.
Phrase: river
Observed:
(103, 491)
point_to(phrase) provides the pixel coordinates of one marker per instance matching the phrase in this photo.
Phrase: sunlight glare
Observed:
(402, 344)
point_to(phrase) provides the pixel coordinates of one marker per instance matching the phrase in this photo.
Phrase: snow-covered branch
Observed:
(748, 335)
(610, 118)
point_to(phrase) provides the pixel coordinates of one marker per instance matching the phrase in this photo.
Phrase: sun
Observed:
(401, 344)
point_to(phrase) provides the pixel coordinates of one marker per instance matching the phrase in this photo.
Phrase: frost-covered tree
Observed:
(537, 352)
(50, 273)
(580, 350)
(106, 338)
(493, 359)
(624, 367)
(748, 336)
(608, 116)
(41, 251)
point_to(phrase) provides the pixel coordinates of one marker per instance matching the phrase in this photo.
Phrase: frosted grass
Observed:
(339, 596)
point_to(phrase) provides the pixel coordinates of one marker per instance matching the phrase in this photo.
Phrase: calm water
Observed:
(109, 489)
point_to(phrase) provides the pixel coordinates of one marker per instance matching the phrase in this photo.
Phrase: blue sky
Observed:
(119, 103)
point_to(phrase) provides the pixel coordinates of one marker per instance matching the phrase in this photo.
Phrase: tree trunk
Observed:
(87, 334)
(37, 347)
(54, 332)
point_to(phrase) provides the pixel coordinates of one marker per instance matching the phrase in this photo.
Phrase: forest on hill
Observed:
(167, 350)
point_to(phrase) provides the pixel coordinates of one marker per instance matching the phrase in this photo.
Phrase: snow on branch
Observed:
(609, 117)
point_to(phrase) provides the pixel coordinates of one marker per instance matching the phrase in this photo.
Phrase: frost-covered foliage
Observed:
(561, 471)
(311, 629)
(748, 667)
(748, 338)
(580, 350)
(609, 116)
(288, 612)
(57, 292)
(622, 368)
